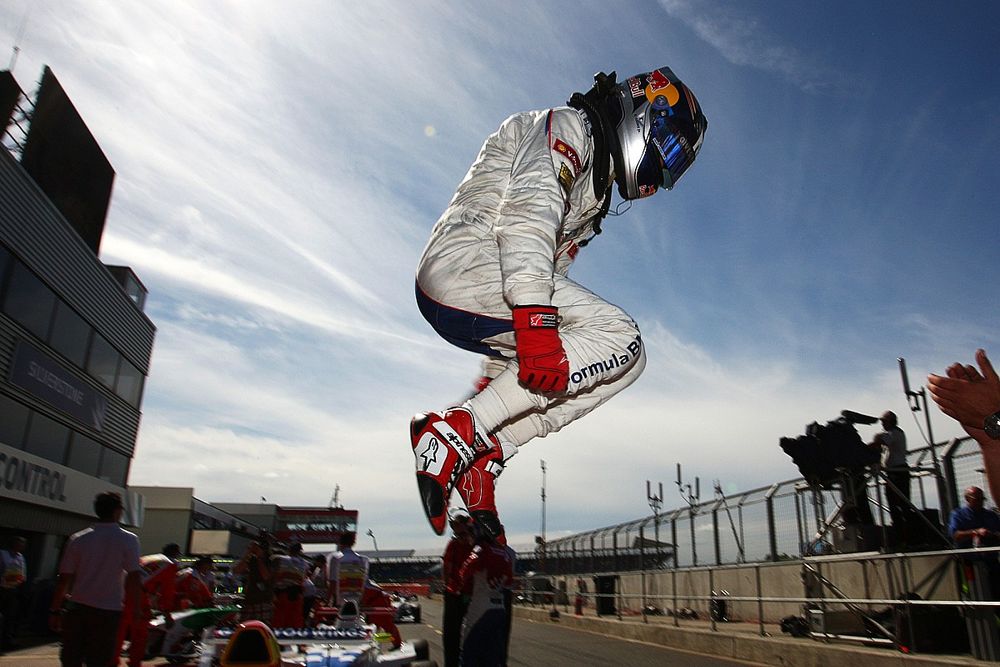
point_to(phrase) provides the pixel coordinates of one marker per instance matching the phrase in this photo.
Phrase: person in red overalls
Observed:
(484, 576)
(458, 549)
(159, 575)
(289, 576)
(193, 590)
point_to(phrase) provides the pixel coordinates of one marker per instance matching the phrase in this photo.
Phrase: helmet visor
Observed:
(672, 149)
(666, 158)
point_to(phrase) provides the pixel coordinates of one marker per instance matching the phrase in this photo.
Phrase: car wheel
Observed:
(416, 616)
(422, 649)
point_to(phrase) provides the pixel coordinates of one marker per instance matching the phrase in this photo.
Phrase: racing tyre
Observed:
(422, 649)
(416, 616)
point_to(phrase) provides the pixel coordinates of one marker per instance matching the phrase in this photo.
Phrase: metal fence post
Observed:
(950, 484)
(673, 577)
(642, 573)
(715, 534)
(673, 537)
(711, 598)
(760, 603)
(772, 537)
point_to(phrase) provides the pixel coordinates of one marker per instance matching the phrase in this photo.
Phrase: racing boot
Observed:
(477, 486)
(478, 483)
(444, 446)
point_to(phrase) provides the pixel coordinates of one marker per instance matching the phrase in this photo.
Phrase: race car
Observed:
(179, 641)
(407, 608)
(350, 641)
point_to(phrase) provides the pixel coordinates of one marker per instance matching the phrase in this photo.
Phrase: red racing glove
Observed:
(540, 355)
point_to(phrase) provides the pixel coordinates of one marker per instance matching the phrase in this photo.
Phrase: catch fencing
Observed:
(784, 521)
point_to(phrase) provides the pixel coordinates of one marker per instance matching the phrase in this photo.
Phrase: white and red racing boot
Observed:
(444, 446)
(478, 484)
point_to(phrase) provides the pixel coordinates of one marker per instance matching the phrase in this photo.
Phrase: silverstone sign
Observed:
(45, 378)
(32, 479)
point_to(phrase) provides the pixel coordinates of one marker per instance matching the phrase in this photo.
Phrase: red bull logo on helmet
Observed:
(659, 85)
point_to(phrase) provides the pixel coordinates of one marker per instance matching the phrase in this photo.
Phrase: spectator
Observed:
(158, 592)
(100, 567)
(289, 580)
(458, 549)
(975, 526)
(258, 582)
(13, 571)
(892, 442)
(485, 574)
(972, 397)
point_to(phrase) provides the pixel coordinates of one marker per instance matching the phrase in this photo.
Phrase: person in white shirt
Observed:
(99, 569)
(13, 573)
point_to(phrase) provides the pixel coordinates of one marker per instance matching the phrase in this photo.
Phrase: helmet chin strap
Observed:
(592, 104)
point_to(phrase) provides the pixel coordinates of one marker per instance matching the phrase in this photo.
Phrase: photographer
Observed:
(258, 585)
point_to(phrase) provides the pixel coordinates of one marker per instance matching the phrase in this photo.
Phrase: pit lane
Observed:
(535, 643)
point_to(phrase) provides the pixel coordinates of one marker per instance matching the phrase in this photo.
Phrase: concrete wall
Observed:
(878, 579)
(167, 517)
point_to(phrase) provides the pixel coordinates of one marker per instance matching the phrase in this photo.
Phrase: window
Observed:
(70, 334)
(47, 438)
(84, 454)
(103, 361)
(29, 301)
(13, 420)
(129, 384)
(4, 261)
(114, 467)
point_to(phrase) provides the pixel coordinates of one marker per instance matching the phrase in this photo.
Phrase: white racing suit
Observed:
(508, 238)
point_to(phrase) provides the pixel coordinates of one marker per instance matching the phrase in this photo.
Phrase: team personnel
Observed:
(484, 576)
(289, 578)
(493, 277)
(459, 547)
(158, 592)
(99, 569)
(195, 585)
(347, 578)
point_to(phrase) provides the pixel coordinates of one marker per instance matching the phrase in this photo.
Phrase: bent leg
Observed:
(605, 355)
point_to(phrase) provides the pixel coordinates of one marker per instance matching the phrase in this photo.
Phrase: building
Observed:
(75, 345)
(173, 514)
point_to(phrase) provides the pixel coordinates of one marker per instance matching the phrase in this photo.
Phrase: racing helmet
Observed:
(655, 130)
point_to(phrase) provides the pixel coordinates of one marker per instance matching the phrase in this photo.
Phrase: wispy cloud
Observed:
(744, 39)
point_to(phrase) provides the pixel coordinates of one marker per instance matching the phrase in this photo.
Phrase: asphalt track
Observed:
(536, 644)
(532, 643)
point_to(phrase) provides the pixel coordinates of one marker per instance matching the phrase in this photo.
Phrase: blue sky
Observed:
(280, 166)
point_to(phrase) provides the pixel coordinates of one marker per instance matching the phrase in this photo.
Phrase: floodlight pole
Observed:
(655, 503)
(544, 545)
(913, 399)
(692, 497)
